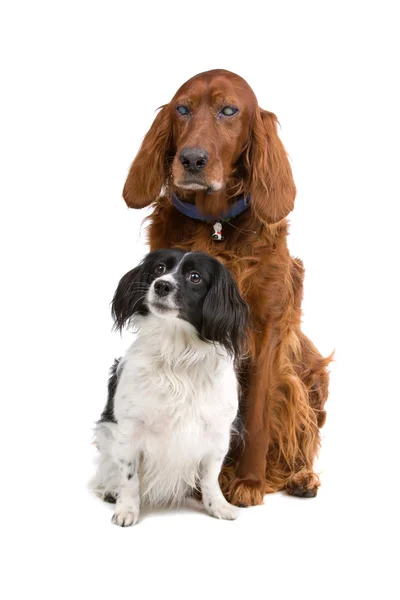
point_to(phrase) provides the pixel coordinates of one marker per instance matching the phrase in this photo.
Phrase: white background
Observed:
(80, 84)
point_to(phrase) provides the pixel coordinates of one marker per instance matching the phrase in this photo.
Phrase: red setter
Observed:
(213, 154)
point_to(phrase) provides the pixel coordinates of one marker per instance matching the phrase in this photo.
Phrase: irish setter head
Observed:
(211, 143)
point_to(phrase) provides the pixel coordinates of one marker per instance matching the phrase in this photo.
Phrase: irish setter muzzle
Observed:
(212, 154)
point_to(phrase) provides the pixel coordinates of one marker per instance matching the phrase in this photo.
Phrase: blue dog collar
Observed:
(190, 210)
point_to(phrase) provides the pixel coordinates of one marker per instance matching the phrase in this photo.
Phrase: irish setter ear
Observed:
(271, 184)
(148, 172)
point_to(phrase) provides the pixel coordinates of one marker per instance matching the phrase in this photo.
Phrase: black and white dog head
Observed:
(193, 286)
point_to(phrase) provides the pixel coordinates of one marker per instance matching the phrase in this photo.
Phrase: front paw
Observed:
(221, 509)
(125, 517)
(245, 492)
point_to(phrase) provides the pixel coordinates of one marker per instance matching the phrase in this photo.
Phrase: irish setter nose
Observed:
(193, 159)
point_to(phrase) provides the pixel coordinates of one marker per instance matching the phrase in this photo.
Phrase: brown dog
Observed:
(213, 154)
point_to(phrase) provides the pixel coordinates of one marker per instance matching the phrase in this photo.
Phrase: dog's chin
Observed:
(191, 185)
(161, 310)
(196, 186)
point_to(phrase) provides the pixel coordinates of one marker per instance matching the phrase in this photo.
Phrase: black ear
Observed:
(130, 295)
(225, 313)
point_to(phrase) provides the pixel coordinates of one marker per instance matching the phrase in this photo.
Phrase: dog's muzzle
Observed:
(162, 298)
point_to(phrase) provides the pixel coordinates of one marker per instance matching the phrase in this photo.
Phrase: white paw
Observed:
(222, 510)
(125, 517)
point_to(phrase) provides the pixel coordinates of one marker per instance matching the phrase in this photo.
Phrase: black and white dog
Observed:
(174, 396)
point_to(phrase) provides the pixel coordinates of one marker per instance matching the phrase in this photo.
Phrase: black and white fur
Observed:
(174, 396)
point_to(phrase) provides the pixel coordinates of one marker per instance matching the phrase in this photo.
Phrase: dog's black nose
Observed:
(162, 288)
(193, 159)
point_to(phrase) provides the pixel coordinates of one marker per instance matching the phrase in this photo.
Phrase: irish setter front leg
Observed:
(246, 487)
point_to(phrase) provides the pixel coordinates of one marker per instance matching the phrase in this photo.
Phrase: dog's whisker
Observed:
(138, 300)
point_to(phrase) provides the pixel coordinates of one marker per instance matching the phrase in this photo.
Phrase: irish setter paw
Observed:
(245, 492)
(303, 484)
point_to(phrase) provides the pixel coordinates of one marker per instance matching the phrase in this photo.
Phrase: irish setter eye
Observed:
(182, 110)
(195, 277)
(160, 269)
(228, 111)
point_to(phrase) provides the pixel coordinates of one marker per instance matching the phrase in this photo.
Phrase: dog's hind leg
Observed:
(313, 372)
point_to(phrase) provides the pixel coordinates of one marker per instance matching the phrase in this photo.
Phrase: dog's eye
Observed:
(160, 269)
(228, 111)
(182, 110)
(195, 277)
